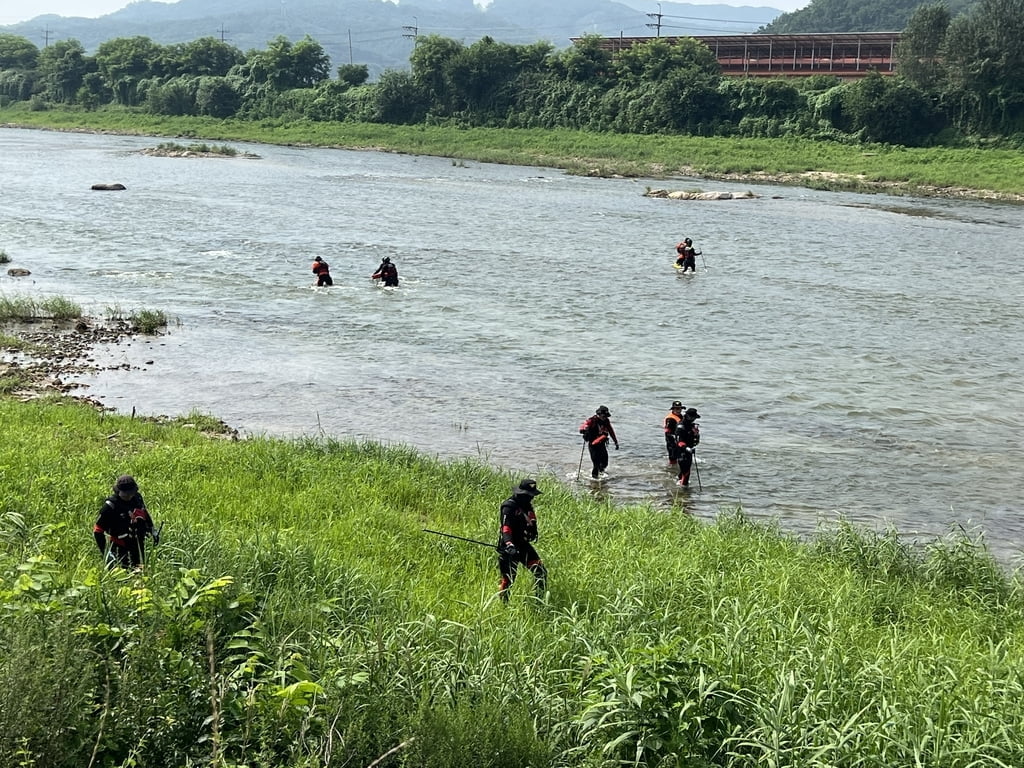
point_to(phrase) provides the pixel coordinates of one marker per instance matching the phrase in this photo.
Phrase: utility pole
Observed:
(223, 33)
(350, 45)
(46, 37)
(410, 33)
(657, 20)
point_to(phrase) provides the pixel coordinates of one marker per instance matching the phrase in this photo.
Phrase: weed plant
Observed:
(148, 321)
(4, 258)
(853, 166)
(296, 614)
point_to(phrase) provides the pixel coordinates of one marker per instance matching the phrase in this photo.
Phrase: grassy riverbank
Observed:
(295, 614)
(947, 172)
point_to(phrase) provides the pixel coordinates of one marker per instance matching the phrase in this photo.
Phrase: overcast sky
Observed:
(13, 11)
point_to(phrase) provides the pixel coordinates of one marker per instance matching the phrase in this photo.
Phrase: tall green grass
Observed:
(29, 308)
(904, 170)
(295, 614)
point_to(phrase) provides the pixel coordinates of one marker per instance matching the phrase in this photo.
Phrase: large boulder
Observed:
(18, 272)
(110, 187)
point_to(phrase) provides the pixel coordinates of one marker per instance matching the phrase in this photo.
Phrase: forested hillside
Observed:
(855, 16)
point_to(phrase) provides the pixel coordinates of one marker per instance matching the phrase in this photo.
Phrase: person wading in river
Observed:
(687, 437)
(597, 431)
(672, 420)
(322, 270)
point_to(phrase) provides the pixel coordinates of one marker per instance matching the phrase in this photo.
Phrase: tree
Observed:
(480, 76)
(217, 96)
(399, 99)
(889, 110)
(585, 62)
(17, 52)
(984, 61)
(124, 62)
(62, 68)
(918, 54)
(352, 75)
(658, 59)
(206, 56)
(284, 65)
(430, 62)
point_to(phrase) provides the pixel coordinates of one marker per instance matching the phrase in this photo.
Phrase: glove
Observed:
(531, 534)
(616, 446)
(510, 549)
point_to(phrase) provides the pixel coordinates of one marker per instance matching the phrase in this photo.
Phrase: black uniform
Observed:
(518, 528)
(126, 523)
(597, 431)
(687, 438)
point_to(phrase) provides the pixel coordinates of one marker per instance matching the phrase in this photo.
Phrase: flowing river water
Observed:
(851, 355)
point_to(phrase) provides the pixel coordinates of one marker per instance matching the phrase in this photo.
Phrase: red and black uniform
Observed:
(322, 270)
(597, 431)
(687, 257)
(518, 528)
(672, 420)
(687, 437)
(125, 523)
(387, 273)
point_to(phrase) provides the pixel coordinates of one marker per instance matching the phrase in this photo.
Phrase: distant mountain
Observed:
(380, 34)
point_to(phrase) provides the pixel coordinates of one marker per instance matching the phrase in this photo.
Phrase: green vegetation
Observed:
(958, 83)
(295, 614)
(199, 149)
(148, 321)
(4, 258)
(27, 308)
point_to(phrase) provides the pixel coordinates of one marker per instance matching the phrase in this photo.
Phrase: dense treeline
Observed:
(960, 79)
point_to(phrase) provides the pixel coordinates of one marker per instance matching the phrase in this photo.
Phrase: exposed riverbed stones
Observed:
(699, 195)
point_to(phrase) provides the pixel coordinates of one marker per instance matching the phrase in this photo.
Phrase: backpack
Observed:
(589, 429)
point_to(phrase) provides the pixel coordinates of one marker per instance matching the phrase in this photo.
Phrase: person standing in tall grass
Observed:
(123, 524)
(517, 530)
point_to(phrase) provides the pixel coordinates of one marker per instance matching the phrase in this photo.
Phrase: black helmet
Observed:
(602, 410)
(676, 404)
(691, 414)
(527, 487)
(126, 483)
(387, 260)
(688, 241)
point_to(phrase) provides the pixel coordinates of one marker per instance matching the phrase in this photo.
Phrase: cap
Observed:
(691, 413)
(602, 410)
(126, 483)
(676, 404)
(527, 487)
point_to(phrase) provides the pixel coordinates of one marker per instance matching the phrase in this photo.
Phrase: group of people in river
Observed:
(682, 434)
(387, 272)
(518, 520)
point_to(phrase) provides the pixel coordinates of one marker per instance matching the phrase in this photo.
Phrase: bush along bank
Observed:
(296, 614)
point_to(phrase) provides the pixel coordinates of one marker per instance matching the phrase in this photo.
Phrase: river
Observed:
(851, 355)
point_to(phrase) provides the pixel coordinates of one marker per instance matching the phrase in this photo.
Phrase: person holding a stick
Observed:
(516, 533)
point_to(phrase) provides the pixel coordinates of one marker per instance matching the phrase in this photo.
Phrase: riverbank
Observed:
(298, 612)
(978, 174)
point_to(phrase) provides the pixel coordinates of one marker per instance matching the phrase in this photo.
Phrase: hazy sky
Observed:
(13, 11)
